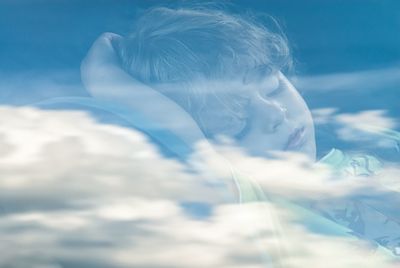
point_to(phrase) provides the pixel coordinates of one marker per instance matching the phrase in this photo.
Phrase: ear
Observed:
(104, 78)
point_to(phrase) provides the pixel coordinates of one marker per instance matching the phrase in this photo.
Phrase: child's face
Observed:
(268, 115)
(262, 114)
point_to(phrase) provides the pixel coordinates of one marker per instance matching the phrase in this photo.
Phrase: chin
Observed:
(309, 149)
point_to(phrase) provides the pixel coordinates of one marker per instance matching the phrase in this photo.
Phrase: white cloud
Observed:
(290, 175)
(371, 127)
(323, 115)
(75, 192)
(390, 178)
(364, 120)
(61, 154)
(366, 126)
(234, 236)
(361, 80)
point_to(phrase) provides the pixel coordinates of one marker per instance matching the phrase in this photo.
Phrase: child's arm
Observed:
(104, 78)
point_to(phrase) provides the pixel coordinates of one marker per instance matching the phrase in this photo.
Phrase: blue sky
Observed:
(326, 36)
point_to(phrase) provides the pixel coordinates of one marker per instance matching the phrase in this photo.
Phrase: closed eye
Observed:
(244, 131)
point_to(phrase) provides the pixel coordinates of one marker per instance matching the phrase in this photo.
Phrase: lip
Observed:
(296, 139)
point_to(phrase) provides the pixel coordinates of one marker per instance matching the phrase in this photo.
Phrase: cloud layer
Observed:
(77, 193)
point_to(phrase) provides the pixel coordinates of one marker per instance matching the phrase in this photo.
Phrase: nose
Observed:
(270, 115)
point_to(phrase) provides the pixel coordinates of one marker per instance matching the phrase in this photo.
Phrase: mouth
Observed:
(296, 139)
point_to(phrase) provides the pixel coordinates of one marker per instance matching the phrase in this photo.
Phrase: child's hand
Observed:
(103, 76)
(103, 50)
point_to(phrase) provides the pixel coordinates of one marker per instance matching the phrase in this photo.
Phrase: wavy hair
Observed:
(179, 45)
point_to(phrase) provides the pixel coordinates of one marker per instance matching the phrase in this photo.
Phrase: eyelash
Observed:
(244, 131)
